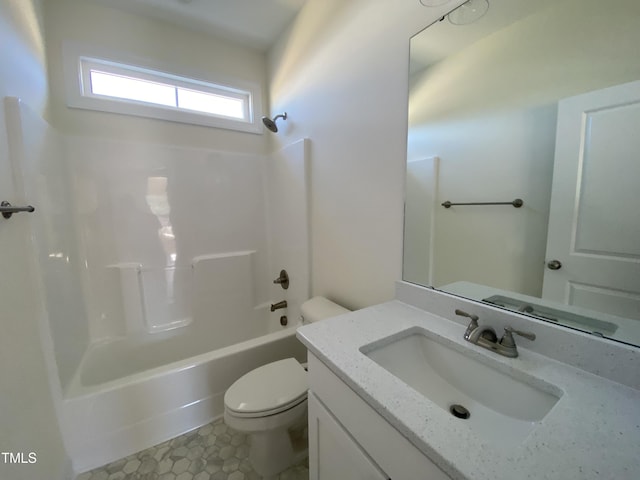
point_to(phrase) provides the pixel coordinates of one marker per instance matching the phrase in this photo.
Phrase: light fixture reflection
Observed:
(469, 12)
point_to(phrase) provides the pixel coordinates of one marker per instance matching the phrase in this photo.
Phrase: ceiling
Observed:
(253, 23)
(443, 39)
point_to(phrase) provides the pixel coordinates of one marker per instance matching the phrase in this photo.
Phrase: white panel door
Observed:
(333, 453)
(594, 223)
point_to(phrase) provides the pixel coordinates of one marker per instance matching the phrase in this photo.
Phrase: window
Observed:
(108, 86)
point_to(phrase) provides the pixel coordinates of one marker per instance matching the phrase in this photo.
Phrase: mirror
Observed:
(536, 101)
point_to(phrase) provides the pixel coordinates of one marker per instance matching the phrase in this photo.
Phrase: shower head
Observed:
(271, 124)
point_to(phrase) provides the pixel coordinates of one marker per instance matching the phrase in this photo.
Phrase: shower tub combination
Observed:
(188, 335)
(181, 335)
(148, 350)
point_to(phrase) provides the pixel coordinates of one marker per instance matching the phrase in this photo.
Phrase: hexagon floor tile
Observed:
(212, 452)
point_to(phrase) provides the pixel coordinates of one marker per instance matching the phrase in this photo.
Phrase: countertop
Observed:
(592, 432)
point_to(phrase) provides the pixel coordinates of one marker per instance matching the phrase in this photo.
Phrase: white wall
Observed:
(156, 43)
(497, 157)
(27, 407)
(573, 47)
(341, 73)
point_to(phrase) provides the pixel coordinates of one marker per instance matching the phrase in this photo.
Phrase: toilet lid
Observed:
(270, 387)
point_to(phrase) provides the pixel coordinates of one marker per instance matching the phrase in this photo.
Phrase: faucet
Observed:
(524, 308)
(485, 336)
(472, 325)
(279, 305)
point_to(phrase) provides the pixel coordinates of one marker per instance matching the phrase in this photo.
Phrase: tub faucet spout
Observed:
(279, 305)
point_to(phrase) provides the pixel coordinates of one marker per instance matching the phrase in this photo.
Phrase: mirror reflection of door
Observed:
(594, 221)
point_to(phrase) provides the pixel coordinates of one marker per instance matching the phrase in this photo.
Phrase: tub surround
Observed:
(591, 432)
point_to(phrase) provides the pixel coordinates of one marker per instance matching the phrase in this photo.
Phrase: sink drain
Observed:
(459, 411)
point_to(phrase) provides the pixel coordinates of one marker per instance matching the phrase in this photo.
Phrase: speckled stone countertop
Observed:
(592, 432)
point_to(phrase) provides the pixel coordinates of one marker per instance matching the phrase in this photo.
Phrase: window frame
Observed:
(78, 65)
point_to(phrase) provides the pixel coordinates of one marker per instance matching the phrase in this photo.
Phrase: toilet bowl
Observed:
(270, 404)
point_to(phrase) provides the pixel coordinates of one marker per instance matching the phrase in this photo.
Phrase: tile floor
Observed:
(212, 452)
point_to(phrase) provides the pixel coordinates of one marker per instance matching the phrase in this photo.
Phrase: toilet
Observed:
(270, 404)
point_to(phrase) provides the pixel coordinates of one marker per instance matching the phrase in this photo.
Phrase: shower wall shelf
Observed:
(517, 203)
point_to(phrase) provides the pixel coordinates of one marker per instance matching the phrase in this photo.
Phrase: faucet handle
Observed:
(474, 318)
(473, 324)
(282, 280)
(507, 339)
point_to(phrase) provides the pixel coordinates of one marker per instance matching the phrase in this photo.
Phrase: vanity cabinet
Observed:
(348, 439)
(333, 453)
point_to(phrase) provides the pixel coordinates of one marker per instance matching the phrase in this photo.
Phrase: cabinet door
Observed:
(333, 454)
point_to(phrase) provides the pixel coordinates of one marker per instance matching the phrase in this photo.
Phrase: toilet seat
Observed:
(267, 390)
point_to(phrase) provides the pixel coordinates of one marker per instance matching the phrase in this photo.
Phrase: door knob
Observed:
(554, 265)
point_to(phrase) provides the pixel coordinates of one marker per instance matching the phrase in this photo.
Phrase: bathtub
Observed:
(132, 394)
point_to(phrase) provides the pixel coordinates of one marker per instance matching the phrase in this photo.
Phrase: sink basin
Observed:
(502, 409)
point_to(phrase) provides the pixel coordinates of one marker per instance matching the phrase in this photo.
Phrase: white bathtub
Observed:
(129, 396)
